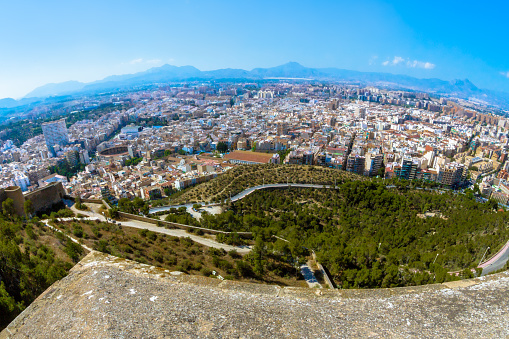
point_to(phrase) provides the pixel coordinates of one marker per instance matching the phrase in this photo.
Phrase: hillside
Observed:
(32, 257)
(368, 235)
(241, 177)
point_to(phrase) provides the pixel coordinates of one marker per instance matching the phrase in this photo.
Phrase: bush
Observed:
(102, 246)
(73, 250)
(244, 269)
(206, 271)
(171, 260)
(151, 236)
(185, 265)
(78, 231)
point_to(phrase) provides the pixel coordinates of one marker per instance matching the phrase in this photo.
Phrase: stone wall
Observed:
(108, 297)
(15, 193)
(46, 196)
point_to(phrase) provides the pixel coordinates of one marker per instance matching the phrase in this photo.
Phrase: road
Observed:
(497, 262)
(494, 264)
(181, 233)
(173, 232)
(213, 209)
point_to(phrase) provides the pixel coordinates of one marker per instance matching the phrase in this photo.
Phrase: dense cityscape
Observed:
(278, 169)
(173, 137)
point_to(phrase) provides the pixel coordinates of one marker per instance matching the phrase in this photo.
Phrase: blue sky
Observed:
(55, 41)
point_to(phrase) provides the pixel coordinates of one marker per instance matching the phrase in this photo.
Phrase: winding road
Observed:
(497, 262)
(244, 193)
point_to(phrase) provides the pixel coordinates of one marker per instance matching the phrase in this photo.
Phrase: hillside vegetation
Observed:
(368, 235)
(241, 177)
(32, 257)
(174, 253)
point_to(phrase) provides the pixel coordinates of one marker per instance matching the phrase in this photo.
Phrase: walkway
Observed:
(173, 232)
(245, 193)
(497, 262)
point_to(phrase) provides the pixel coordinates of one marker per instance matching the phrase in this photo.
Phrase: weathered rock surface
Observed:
(108, 297)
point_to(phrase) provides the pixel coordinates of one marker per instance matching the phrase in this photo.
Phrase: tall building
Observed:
(21, 180)
(373, 163)
(55, 133)
(410, 168)
(360, 112)
(72, 157)
(355, 163)
(282, 128)
(451, 174)
(84, 158)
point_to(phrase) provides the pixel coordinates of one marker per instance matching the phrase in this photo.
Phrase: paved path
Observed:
(492, 265)
(173, 232)
(45, 222)
(497, 262)
(181, 233)
(243, 194)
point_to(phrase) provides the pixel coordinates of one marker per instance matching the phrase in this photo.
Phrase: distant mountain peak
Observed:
(464, 84)
(461, 88)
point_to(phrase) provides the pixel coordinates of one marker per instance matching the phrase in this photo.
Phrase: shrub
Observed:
(244, 269)
(234, 254)
(206, 271)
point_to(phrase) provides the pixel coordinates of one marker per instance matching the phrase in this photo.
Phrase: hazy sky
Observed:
(55, 41)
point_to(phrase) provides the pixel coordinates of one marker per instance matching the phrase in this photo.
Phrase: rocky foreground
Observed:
(108, 297)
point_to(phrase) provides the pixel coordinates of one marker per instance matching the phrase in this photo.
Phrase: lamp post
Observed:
(435, 258)
(484, 255)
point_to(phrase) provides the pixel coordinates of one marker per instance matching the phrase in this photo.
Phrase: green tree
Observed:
(258, 255)
(222, 147)
(113, 213)
(8, 208)
(29, 208)
(9, 308)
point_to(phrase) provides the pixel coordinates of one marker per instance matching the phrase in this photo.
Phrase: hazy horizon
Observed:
(57, 41)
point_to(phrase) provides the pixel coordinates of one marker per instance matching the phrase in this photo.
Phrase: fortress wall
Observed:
(46, 196)
(130, 299)
(15, 193)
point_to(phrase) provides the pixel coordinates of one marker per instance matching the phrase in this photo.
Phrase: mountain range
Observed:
(463, 89)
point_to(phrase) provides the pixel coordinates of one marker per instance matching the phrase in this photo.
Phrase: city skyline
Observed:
(56, 42)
